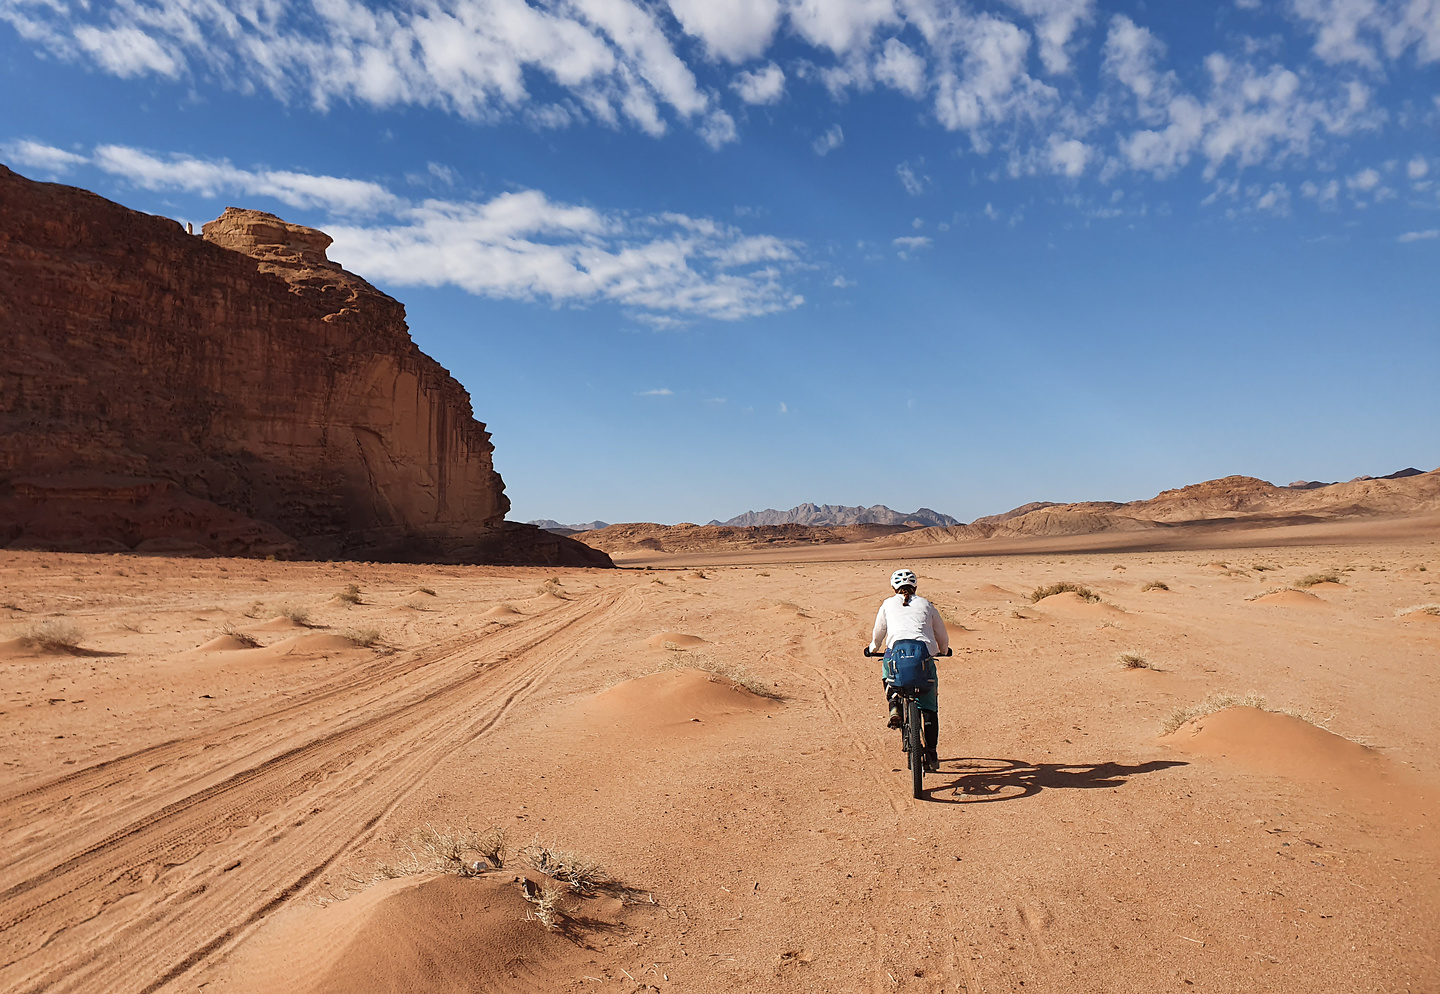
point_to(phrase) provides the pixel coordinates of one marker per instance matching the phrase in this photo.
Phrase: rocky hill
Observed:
(836, 515)
(685, 537)
(237, 393)
(1234, 500)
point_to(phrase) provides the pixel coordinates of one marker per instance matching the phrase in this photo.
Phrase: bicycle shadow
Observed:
(980, 781)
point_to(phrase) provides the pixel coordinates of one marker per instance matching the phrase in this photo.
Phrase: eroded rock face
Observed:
(242, 366)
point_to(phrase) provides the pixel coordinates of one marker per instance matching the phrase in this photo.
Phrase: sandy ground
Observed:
(178, 818)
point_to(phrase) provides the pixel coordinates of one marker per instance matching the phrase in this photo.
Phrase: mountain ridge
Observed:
(839, 516)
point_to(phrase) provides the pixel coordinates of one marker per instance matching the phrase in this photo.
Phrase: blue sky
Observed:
(697, 257)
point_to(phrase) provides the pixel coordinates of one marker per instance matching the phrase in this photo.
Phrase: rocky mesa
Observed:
(234, 392)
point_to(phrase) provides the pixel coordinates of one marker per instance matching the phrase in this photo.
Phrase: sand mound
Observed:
(675, 638)
(1328, 585)
(442, 934)
(280, 624)
(1278, 743)
(1289, 598)
(222, 643)
(990, 588)
(786, 607)
(1071, 603)
(25, 648)
(502, 611)
(315, 642)
(672, 700)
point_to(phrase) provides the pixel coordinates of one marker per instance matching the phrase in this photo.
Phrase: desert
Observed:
(244, 775)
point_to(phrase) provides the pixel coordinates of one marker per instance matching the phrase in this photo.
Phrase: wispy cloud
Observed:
(666, 268)
(36, 155)
(1419, 236)
(661, 392)
(832, 139)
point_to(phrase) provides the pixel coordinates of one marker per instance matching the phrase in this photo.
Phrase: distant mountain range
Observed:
(551, 525)
(837, 515)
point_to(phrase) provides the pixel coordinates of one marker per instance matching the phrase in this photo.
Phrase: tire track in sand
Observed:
(117, 915)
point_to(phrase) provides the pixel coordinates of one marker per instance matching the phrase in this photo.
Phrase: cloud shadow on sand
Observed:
(982, 780)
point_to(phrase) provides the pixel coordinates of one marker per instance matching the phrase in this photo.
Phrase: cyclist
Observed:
(907, 615)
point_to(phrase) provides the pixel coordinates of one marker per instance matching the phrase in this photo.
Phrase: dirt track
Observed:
(177, 839)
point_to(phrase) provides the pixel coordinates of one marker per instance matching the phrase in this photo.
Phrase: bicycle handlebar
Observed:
(876, 655)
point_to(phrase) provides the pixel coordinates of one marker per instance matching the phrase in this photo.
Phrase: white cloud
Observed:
(128, 51)
(841, 282)
(1274, 200)
(35, 155)
(1417, 167)
(829, 141)
(1068, 158)
(913, 184)
(1055, 24)
(841, 26)
(1325, 194)
(898, 66)
(661, 392)
(1363, 181)
(1367, 32)
(982, 79)
(1418, 236)
(912, 242)
(665, 268)
(783, 408)
(735, 30)
(210, 178)
(765, 85)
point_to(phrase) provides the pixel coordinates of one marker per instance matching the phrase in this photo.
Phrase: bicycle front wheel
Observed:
(917, 755)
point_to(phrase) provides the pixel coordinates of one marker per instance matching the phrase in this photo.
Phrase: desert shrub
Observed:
(1419, 609)
(299, 615)
(736, 676)
(1272, 590)
(1314, 578)
(350, 595)
(244, 638)
(1084, 593)
(552, 587)
(580, 872)
(1133, 661)
(424, 590)
(1155, 585)
(416, 604)
(450, 849)
(363, 637)
(55, 633)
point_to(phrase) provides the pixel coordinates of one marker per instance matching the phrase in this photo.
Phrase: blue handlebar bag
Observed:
(909, 666)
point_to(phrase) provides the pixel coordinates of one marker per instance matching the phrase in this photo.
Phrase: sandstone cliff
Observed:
(236, 391)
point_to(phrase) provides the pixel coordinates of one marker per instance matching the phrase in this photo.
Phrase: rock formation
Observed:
(236, 391)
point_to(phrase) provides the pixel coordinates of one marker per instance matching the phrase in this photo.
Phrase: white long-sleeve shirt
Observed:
(916, 620)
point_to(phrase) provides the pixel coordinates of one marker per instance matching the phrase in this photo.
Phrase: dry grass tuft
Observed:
(1273, 590)
(365, 638)
(1133, 661)
(1419, 609)
(426, 591)
(736, 676)
(244, 638)
(1155, 585)
(1314, 578)
(54, 633)
(546, 901)
(1084, 593)
(299, 615)
(1211, 704)
(350, 595)
(580, 872)
(553, 588)
(416, 603)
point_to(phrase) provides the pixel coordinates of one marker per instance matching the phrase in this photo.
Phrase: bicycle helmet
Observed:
(903, 578)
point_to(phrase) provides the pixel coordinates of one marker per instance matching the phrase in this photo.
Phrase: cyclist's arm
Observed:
(937, 627)
(877, 637)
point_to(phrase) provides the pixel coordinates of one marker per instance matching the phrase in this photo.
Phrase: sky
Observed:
(706, 256)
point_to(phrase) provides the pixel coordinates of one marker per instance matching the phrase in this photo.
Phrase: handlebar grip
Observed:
(949, 652)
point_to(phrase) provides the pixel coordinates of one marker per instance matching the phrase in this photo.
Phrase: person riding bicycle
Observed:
(907, 615)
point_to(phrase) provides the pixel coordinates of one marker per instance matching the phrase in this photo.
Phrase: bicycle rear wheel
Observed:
(917, 755)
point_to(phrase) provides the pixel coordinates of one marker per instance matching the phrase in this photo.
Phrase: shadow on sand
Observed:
(974, 781)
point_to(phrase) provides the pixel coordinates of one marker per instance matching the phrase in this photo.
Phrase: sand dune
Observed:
(178, 813)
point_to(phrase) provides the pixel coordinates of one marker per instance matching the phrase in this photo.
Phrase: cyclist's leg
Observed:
(930, 724)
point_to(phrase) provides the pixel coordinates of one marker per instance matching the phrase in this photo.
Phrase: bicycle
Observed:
(910, 729)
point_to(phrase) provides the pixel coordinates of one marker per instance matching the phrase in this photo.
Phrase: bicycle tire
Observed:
(917, 754)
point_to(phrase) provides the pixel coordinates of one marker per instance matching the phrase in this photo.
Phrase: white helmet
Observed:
(902, 578)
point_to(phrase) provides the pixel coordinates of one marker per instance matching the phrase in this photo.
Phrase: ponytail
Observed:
(907, 592)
